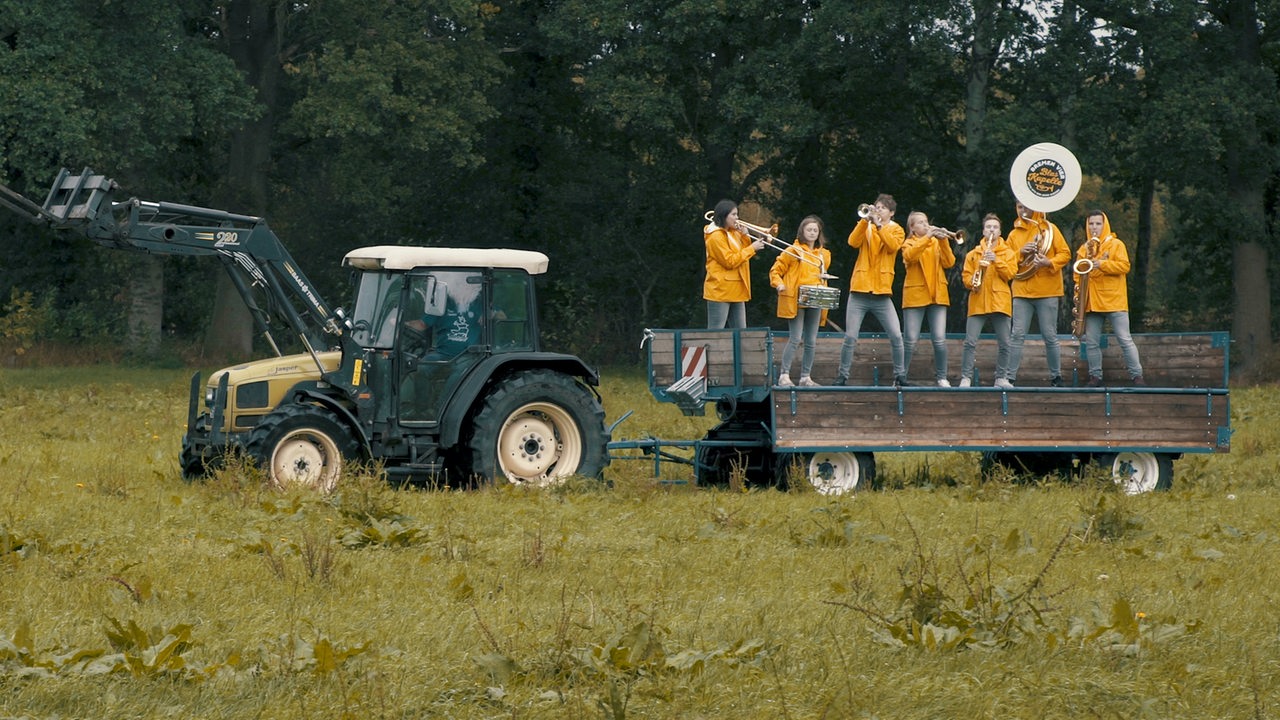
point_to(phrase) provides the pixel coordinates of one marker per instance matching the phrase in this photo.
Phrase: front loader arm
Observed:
(251, 253)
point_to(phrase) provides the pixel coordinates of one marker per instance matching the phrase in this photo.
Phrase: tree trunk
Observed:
(1140, 253)
(252, 31)
(1247, 173)
(146, 305)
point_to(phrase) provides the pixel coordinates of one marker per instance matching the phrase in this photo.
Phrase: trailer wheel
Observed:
(837, 473)
(1139, 472)
(302, 446)
(538, 427)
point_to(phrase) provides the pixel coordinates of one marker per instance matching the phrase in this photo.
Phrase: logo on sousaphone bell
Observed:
(1046, 177)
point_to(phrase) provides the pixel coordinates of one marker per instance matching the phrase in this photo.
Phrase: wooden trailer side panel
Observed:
(987, 419)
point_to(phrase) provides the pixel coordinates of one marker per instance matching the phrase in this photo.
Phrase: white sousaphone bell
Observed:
(1045, 177)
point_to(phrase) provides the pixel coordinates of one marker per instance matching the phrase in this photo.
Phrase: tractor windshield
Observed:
(377, 309)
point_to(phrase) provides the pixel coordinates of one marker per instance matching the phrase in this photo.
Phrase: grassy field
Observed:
(128, 593)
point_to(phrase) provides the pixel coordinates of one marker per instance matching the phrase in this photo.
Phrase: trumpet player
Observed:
(804, 263)
(988, 268)
(877, 238)
(1108, 297)
(1038, 290)
(727, 286)
(927, 255)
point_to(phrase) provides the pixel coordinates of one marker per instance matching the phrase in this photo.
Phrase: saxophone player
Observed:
(1037, 288)
(1107, 297)
(988, 268)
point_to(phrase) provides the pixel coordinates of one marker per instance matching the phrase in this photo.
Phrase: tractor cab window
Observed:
(512, 318)
(444, 317)
(377, 309)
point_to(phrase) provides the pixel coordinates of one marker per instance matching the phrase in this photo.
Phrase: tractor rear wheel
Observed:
(538, 427)
(302, 446)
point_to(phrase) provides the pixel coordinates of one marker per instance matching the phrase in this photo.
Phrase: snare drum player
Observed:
(877, 238)
(1108, 297)
(804, 263)
(727, 286)
(988, 268)
(1037, 288)
(927, 255)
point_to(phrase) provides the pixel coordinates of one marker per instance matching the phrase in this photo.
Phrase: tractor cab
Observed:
(428, 316)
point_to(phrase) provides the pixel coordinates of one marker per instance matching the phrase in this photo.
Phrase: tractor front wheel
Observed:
(302, 446)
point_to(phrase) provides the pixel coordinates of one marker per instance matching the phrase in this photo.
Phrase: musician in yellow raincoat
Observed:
(926, 255)
(877, 238)
(805, 262)
(1107, 297)
(1038, 294)
(988, 268)
(727, 286)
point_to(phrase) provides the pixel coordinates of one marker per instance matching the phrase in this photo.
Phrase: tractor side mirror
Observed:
(437, 297)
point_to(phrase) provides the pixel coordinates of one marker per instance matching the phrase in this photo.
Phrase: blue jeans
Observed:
(972, 329)
(882, 307)
(804, 329)
(1045, 312)
(720, 313)
(912, 318)
(1093, 342)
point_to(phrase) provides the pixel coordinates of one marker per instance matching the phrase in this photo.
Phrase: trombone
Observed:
(770, 237)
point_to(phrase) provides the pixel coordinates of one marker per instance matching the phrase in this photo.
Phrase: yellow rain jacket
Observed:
(994, 294)
(728, 270)
(927, 260)
(799, 265)
(1046, 281)
(1108, 287)
(877, 247)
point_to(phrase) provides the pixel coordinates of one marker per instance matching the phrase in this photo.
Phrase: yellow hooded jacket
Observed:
(1108, 287)
(927, 260)
(728, 270)
(994, 294)
(797, 266)
(877, 247)
(1046, 281)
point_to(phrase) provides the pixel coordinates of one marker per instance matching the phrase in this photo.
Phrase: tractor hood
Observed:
(297, 367)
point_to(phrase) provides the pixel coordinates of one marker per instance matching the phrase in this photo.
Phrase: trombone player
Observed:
(877, 238)
(1037, 287)
(727, 286)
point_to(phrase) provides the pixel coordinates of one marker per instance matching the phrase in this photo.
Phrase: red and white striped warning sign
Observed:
(693, 361)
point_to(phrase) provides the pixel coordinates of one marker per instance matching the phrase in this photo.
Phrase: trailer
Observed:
(832, 434)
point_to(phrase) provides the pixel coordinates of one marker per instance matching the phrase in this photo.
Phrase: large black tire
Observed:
(538, 427)
(302, 446)
(1138, 472)
(716, 465)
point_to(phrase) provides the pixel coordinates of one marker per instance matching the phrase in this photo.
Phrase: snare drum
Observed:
(819, 296)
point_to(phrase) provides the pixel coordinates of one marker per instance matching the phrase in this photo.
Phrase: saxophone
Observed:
(1080, 299)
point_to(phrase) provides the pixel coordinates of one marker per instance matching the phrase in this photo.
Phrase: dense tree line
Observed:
(600, 131)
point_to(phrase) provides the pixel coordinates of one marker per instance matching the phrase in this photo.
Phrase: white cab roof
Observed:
(403, 257)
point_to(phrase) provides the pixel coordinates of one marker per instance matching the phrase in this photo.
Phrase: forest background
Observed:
(600, 131)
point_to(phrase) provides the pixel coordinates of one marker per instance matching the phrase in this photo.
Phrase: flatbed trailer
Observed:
(833, 433)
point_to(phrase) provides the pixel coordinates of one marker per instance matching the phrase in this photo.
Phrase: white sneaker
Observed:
(1003, 384)
(965, 382)
(806, 381)
(785, 380)
(943, 382)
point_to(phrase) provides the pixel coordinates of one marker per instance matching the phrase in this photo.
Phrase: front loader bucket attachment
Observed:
(75, 200)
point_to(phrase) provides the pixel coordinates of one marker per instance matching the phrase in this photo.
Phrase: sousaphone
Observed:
(1045, 177)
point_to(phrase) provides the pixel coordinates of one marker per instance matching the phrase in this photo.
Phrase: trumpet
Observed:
(865, 210)
(769, 235)
(958, 237)
(976, 281)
